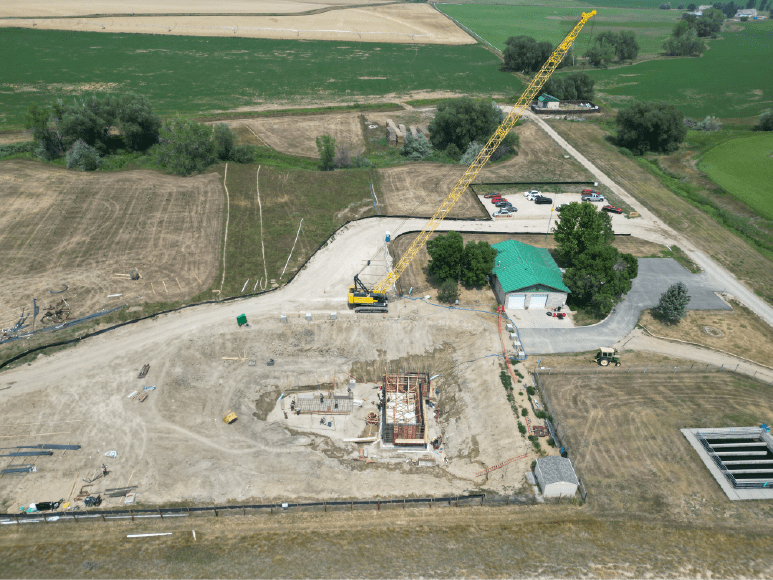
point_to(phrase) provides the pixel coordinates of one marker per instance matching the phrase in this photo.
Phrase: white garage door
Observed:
(538, 301)
(517, 302)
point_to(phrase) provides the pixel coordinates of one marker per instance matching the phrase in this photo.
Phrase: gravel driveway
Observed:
(655, 276)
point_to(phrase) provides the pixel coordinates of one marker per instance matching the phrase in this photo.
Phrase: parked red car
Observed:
(612, 209)
(492, 194)
(495, 200)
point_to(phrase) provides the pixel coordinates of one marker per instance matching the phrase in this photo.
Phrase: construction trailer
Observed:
(403, 410)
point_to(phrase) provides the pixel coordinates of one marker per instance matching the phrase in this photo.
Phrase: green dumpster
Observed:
(241, 319)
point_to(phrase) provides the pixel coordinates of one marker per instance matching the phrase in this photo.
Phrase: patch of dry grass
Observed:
(739, 331)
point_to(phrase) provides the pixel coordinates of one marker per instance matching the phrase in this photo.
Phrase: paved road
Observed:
(655, 275)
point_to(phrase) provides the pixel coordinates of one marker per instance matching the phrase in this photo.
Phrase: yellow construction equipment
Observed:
(229, 417)
(363, 299)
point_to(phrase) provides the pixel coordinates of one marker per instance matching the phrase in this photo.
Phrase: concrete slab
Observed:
(655, 276)
(536, 318)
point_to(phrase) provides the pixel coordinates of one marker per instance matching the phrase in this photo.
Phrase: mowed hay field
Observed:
(398, 22)
(61, 227)
(296, 135)
(622, 432)
(192, 75)
(744, 168)
(726, 248)
(61, 8)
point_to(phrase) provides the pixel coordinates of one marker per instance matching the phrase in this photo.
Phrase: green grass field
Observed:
(744, 168)
(553, 23)
(193, 75)
(324, 199)
(729, 80)
(582, 6)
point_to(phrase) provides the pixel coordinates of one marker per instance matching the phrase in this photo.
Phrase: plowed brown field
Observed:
(61, 227)
(296, 135)
(398, 23)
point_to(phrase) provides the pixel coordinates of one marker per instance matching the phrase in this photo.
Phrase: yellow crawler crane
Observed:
(363, 299)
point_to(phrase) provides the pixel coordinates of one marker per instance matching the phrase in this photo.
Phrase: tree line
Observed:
(88, 130)
(525, 54)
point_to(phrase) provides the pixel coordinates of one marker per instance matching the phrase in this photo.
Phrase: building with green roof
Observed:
(546, 101)
(527, 277)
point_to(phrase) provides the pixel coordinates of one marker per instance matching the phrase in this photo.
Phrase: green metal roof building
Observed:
(546, 101)
(527, 277)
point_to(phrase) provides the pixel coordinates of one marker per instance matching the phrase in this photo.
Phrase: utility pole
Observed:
(552, 209)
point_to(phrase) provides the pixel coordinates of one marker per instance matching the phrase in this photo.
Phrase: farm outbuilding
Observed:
(556, 477)
(527, 277)
(546, 101)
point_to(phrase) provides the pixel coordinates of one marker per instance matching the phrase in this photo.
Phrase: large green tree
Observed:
(446, 256)
(600, 276)
(459, 122)
(571, 87)
(40, 122)
(684, 41)
(657, 127)
(673, 303)
(597, 274)
(525, 54)
(477, 263)
(185, 146)
(137, 123)
(580, 228)
(326, 147)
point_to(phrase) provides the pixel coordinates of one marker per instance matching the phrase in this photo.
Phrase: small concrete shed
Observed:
(556, 477)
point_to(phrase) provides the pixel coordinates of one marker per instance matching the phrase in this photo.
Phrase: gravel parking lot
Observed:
(529, 209)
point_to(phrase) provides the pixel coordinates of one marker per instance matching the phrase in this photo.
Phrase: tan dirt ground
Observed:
(59, 8)
(177, 436)
(20, 137)
(296, 135)
(623, 433)
(398, 23)
(418, 190)
(738, 332)
(64, 227)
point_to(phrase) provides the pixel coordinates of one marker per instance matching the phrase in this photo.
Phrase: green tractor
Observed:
(607, 355)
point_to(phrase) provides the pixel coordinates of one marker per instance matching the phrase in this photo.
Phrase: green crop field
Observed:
(582, 6)
(553, 23)
(730, 80)
(744, 168)
(192, 75)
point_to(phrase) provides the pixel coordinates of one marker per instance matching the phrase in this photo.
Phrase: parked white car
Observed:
(530, 195)
(503, 213)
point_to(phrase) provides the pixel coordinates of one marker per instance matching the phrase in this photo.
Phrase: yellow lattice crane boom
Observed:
(375, 300)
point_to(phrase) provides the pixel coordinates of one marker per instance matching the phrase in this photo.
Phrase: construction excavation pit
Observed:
(347, 411)
(373, 421)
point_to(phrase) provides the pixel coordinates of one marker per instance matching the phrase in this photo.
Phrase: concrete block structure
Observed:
(527, 277)
(556, 477)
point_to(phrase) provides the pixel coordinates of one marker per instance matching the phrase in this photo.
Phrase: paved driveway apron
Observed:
(655, 276)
